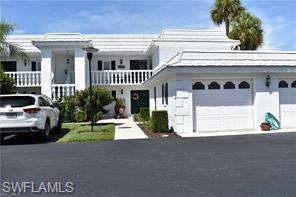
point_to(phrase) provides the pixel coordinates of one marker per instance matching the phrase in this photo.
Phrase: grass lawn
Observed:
(82, 133)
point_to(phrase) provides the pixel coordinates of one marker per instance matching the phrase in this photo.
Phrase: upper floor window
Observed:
(100, 65)
(283, 84)
(198, 86)
(138, 64)
(214, 86)
(244, 85)
(229, 85)
(33, 66)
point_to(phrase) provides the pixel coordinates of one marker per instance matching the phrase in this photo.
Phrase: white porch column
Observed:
(80, 70)
(46, 72)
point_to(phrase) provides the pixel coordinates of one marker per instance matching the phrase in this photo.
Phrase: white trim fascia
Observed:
(218, 70)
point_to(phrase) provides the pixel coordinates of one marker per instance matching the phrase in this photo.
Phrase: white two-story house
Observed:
(200, 77)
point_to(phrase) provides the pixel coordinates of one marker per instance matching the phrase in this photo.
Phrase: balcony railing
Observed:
(26, 78)
(120, 77)
(62, 90)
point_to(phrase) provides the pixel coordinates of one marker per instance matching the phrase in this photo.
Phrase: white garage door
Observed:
(287, 91)
(222, 105)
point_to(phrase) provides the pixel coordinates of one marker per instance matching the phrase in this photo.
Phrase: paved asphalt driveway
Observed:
(257, 165)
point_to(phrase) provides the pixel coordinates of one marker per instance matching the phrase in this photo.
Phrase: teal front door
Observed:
(139, 98)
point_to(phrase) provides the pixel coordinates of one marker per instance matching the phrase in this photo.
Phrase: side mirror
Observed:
(54, 105)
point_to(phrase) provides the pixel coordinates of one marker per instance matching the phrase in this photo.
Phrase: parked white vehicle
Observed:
(28, 113)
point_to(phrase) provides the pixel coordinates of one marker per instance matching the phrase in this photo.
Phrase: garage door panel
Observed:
(288, 105)
(223, 109)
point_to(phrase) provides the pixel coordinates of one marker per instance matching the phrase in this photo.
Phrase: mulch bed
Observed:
(151, 134)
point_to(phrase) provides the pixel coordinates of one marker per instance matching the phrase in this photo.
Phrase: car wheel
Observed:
(45, 132)
(59, 126)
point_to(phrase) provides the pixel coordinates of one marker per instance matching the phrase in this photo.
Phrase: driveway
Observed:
(258, 165)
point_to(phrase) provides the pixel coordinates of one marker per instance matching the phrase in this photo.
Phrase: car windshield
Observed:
(16, 101)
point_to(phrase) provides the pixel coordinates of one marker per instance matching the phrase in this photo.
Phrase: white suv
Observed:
(28, 113)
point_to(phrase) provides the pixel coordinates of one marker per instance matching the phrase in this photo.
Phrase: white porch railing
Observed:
(62, 90)
(120, 77)
(26, 78)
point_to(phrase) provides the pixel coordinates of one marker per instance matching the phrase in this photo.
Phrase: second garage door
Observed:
(287, 91)
(222, 105)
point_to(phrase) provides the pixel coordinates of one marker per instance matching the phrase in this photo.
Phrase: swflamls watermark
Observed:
(55, 187)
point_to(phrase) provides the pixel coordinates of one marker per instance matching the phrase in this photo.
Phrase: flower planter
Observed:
(265, 127)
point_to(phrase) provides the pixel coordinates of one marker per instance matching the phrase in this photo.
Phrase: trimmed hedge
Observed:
(159, 121)
(145, 113)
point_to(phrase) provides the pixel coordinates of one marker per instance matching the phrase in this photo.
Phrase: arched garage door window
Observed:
(229, 85)
(244, 85)
(293, 84)
(283, 84)
(198, 86)
(214, 86)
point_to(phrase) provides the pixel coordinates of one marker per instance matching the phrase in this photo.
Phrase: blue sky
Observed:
(144, 16)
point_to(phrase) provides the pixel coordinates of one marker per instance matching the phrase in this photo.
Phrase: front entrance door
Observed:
(139, 98)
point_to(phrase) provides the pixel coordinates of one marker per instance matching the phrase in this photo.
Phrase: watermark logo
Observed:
(37, 188)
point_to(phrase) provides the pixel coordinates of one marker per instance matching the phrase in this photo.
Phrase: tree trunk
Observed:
(227, 27)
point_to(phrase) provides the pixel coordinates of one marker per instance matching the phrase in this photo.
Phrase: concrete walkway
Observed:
(128, 129)
(125, 129)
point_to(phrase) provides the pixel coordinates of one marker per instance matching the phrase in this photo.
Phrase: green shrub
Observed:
(80, 115)
(100, 98)
(145, 113)
(67, 107)
(7, 84)
(148, 125)
(159, 121)
(137, 117)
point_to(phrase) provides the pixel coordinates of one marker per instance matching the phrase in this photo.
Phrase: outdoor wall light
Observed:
(267, 81)
(25, 62)
(121, 91)
(120, 61)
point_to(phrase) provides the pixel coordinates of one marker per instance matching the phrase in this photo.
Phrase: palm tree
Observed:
(225, 11)
(8, 48)
(248, 29)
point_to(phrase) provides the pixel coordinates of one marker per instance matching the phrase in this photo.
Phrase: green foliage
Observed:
(76, 108)
(7, 84)
(68, 109)
(239, 23)
(145, 113)
(225, 11)
(137, 117)
(248, 29)
(8, 48)
(159, 121)
(100, 98)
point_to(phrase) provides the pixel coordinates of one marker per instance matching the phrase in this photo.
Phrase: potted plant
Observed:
(265, 126)
(120, 108)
